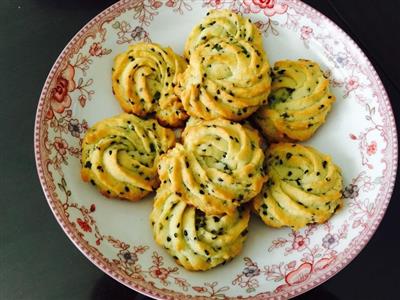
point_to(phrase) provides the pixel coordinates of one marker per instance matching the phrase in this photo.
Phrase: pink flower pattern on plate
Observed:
(268, 7)
(160, 273)
(300, 242)
(95, 49)
(352, 83)
(306, 32)
(372, 147)
(61, 145)
(60, 99)
(84, 225)
(214, 3)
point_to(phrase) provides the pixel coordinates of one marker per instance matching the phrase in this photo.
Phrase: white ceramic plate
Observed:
(115, 235)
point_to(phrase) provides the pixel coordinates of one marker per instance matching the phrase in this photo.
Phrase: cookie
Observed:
(299, 102)
(223, 24)
(195, 240)
(120, 154)
(143, 81)
(304, 187)
(218, 167)
(225, 79)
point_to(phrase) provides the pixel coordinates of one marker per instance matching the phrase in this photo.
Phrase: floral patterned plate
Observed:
(115, 235)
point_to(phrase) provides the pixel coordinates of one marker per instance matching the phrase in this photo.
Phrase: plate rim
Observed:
(161, 293)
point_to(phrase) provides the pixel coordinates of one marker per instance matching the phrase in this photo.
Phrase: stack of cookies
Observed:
(199, 214)
(206, 184)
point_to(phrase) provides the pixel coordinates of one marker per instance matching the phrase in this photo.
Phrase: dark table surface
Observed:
(37, 260)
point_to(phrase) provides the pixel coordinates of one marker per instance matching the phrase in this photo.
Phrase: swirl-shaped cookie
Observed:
(304, 187)
(120, 155)
(223, 24)
(143, 82)
(299, 102)
(225, 79)
(197, 241)
(219, 167)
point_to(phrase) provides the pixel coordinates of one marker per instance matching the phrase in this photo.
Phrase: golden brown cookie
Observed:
(218, 167)
(299, 102)
(143, 82)
(225, 79)
(119, 155)
(223, 24)
(304, 187)
(196, 241)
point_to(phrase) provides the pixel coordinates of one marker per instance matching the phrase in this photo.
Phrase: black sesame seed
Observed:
(285, 115)
(336, 208)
